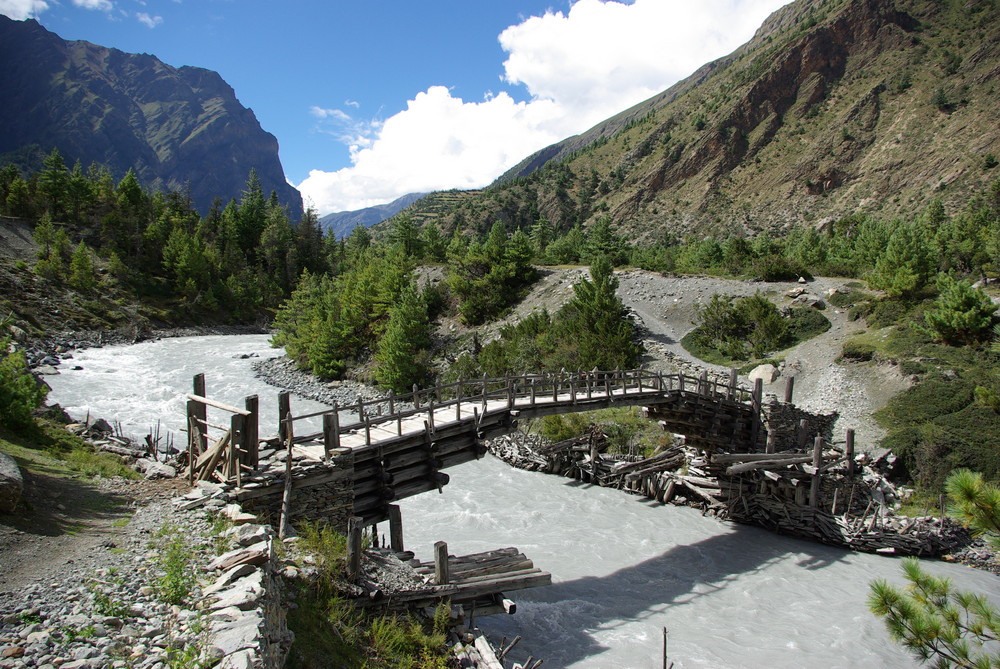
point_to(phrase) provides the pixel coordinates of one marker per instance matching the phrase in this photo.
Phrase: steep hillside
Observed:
(834, 107)
(342, 222)
(179, 128)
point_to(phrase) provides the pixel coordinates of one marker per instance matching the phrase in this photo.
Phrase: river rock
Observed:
(766, 373)
(11, 483)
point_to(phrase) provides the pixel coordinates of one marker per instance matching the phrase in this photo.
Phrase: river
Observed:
(623, 568)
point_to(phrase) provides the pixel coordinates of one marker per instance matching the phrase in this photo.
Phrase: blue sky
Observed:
(373, 100)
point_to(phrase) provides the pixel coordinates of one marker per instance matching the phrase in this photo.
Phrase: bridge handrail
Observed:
(518, 387)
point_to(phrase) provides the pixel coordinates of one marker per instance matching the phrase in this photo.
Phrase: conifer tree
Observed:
(401, 356)
(928, 616)
(961, 314)
(81, 269)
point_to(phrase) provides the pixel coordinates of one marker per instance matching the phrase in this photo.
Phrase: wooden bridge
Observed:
(397, 446)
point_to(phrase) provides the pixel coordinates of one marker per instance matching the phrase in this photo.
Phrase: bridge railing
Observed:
(527, 390)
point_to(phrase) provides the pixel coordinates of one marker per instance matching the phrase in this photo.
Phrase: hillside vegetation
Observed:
(834, 108)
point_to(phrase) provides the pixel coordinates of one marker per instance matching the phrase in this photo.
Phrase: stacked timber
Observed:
(476, 582)
(822, 495)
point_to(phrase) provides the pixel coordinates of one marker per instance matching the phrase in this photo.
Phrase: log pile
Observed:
(814, 495)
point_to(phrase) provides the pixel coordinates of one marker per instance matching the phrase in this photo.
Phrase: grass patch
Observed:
(53, 450)
(626, 430)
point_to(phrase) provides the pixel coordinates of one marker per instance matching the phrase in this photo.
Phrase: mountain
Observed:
(341, 223)
(834, 107)
(179, 128)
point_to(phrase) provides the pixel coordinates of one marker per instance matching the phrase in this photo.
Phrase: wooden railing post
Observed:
(441, 573)
(252, 426)
(284, 408)
(817, 463)
(329, 434)
(789, 389)
(201, 411)
(395, 528)
(392, 402)
(354, 526)
(237, 447)
(286, 498)
(849, 452)
(416, 397)
(733, 376)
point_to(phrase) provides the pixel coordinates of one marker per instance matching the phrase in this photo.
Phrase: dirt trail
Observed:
(665, 307)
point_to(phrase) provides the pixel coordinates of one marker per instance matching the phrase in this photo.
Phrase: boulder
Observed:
(766, 373)
(11, 483)
(101, 425)
(158, 470)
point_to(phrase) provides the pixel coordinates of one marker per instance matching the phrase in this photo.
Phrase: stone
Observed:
(46, 370)
(101, 425)
(12, 651)
(244, 593)
(257, 554)
(246, 535)
(11, 484)
(241, 634)
(235, 514)
(158, 470)
(766, 373)
(239, 660)
(228, 577)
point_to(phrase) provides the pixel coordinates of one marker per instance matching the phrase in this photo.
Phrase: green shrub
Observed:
(805, 323)
(961, 314)
(858, 351)
(888, 312)
(936, 396)
(20, 394)
(776, 267)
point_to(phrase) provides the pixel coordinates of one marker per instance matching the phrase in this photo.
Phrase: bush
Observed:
(858, 351)
(884, 313)
(20, 394)
(961, 314)
(775, 267)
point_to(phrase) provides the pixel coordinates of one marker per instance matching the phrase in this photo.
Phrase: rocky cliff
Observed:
(179, 128)
(834, 107)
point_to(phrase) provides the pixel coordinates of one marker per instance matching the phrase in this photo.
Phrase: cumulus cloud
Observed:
(22, 9)
(579, 67)
(147, 20)
(101, 5)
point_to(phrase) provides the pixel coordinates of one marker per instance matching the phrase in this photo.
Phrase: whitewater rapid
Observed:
(623, 567)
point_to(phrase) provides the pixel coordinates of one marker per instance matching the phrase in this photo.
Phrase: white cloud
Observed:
(147, 20)
(22, 9)
(101, 5)
(579, 68)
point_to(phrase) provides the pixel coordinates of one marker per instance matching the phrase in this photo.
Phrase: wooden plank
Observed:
(217, 405)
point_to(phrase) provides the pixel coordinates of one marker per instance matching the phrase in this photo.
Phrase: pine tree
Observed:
(906, 265)
(81, 269)
(935, 622)
(961, 314)
(401, 357)
(976, 503)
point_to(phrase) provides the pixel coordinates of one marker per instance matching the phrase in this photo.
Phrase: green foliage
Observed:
(402, 356)
(595, 329)
(327, 547)
(175, 562)
(488, 277)
(81, 269)
(331, 322)
(961, 314)
(20, 394)
(742, 328)
(976, 503)
(935, 622)
(906, 265)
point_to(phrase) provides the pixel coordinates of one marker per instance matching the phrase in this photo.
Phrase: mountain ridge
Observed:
(179, 128)
(833, 108)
